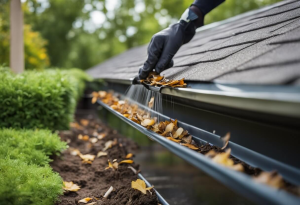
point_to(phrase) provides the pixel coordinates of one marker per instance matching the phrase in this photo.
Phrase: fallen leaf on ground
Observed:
(84, 122)
(140, 185)
(101, 154)
(109, 165)
(109, 144)
(74, 152)
(93, 140)
(87, 158)
(85, 200)
(193, 147)
(127, 161)
(129, 155)
(101, 136)
(272, 179)
(225, 140)
(84, 138)
(70, 186)
(172, 139)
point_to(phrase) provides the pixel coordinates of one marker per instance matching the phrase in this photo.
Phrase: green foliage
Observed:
(44, 99)
(23, 184)
(32, 147)
(36, 56)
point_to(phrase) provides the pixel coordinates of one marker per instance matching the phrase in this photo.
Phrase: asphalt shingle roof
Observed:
(260, 48)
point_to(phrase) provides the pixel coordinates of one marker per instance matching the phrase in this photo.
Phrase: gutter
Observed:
(239, 182)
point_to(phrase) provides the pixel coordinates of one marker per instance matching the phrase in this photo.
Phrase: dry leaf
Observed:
(147, 122)
(127, 161)
(174, 140)
(101, 154)
(70, 186)
(140, 185)
(94, 100)
(74, 152)
(178, 132)
(151, 102)
(272, 179)
(84, 138)
(223, 159)
(101, 136)
(129, 155)
(93, 140)
(85, 200)
(84, 122)
(169, 128)
(109, 165)
(108, 145)
(87, 158)
(187, 139)
(226, 139)
(193, 147)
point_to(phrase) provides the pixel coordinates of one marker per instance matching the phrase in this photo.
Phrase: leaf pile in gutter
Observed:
(171, 131)
(157, 80)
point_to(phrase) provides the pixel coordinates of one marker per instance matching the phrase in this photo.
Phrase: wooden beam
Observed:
(16, 37)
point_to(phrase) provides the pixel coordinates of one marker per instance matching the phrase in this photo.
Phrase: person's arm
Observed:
(165, 44)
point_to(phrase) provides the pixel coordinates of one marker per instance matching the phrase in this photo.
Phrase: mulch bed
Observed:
(94, 180)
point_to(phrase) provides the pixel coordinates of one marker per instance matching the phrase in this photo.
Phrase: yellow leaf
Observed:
(178, 132)
(87, 158)
(147, 122)
(126, 115)
(84, 138)
(127, 161)
(94, 100)
(101, 136)
(101, 154)
(172, 139)
(129, 155)
(272, 179)
(169, 128)
(70, 186)
(85, 200)
(109, 165)
(140, 185)
(74, 152)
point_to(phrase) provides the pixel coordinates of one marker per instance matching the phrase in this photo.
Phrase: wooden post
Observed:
(16, 37)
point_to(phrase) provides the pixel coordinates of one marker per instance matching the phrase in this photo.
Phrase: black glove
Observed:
(165, 44)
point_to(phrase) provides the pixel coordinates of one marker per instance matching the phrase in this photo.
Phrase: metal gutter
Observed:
(239, 182)
(276, 100)
(160, 198)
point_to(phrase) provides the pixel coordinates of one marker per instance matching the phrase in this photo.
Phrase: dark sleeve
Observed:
(206, 6)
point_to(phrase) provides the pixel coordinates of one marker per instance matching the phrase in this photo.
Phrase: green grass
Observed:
(45, 99)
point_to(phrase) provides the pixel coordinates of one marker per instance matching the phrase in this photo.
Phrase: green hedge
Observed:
(32, 147)
(23, 184)
(45, 99)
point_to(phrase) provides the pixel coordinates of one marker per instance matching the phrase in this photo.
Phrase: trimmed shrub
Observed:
(44, 99)
(32, 147)
(23, 184)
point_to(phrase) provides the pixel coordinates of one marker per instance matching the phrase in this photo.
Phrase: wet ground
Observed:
(176, 180)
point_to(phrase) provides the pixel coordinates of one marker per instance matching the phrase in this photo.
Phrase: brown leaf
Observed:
(101, 136)
(169, 128)
(140, 185)
(70, 186)
(187, 139)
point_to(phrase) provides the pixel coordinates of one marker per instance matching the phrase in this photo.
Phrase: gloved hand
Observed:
(165, 44)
